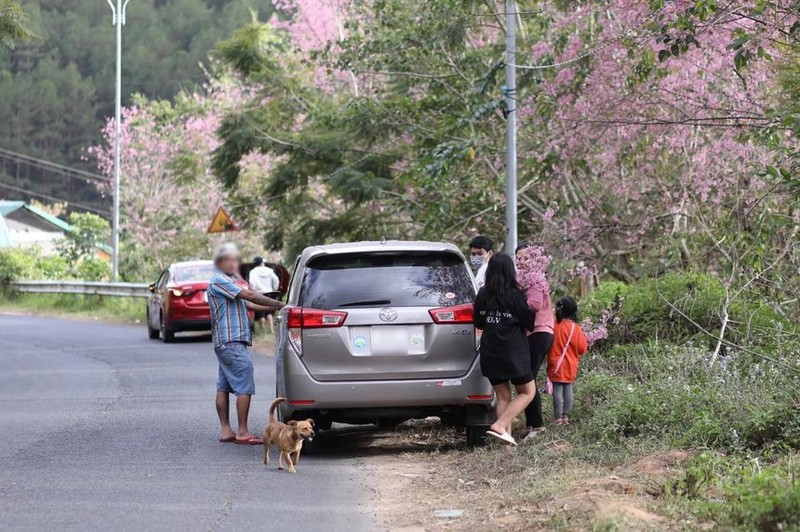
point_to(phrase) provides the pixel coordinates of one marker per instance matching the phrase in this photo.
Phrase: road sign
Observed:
(221, 223)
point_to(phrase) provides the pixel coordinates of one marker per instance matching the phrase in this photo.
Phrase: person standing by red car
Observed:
(264, 281)
(230, 331)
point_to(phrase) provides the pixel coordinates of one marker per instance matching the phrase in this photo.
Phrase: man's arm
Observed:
(258, 308)
(257, 300)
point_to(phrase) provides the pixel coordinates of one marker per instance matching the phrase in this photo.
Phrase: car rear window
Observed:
(408, 279)
(194, 273)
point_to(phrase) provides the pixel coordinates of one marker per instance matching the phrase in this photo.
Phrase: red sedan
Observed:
(179, 301)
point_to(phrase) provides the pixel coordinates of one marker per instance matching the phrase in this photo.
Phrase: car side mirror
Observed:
(152, 287)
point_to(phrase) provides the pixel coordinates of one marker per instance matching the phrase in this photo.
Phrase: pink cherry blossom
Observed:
(532, 263)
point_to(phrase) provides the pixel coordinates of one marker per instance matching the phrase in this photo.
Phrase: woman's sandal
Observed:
(504, 437)
(250, 440)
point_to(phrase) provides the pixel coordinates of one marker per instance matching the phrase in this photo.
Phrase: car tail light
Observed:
(311, 318)
(181, 292)
(479, 397)
(294, 319)
(455, 314)
(300, 318)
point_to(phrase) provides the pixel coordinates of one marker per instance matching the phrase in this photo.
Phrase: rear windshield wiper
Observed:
(366, 303)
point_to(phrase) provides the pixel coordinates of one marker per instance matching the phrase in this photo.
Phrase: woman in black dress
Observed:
(502, 311)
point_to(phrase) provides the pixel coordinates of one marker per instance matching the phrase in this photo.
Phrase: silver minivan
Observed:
(382, 332)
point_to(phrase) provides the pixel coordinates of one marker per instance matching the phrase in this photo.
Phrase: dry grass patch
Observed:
(544, 485)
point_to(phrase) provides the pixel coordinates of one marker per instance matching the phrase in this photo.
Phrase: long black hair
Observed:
(566, 309)
(501, 281)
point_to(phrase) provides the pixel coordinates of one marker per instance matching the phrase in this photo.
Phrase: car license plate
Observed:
(395, 340)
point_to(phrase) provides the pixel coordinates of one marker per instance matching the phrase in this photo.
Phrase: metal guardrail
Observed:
(98, 288)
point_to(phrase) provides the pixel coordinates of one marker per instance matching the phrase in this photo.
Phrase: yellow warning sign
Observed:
(221, 223)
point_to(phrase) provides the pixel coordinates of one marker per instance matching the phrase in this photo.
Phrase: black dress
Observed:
(505, 355)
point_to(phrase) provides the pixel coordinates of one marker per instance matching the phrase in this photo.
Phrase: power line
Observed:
(65, 171)
(39, 195)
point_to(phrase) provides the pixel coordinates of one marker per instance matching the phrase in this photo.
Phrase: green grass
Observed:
(106, 308)
(740, 491)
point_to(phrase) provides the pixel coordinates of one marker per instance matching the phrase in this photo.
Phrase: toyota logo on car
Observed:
(387, 314)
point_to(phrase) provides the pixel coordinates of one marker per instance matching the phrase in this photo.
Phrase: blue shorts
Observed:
(235, 369)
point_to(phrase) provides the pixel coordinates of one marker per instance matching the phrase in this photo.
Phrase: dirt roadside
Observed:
(434, 483)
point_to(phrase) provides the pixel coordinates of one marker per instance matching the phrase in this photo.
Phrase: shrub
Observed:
(741, 492)
(29, 263)
(598, 387)
(768, 500)
(668, 392)
(646, 316)
(16, 263)
(55, 267)
(92, 269)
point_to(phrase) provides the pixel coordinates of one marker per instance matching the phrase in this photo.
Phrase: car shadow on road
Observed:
(356, 441)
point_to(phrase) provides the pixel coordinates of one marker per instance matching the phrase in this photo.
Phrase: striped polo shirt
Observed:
(229, 322)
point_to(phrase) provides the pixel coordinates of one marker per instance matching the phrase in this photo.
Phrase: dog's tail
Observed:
(273, 406)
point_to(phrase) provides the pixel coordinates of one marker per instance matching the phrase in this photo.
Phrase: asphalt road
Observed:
(103, 429)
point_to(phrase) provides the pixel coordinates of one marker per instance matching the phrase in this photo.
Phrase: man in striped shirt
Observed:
(230, 331)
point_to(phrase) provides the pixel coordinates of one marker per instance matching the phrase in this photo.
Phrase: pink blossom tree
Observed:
(644, 130)
(168, 193)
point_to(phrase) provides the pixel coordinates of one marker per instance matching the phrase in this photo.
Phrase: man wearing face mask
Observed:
(480, 249)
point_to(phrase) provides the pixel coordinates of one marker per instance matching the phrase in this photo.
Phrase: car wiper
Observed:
(366, 303)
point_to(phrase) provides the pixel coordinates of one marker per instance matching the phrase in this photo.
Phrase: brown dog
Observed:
(287, 437)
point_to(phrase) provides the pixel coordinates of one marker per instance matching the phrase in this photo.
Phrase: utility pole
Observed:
(118, 17)
(510, 93)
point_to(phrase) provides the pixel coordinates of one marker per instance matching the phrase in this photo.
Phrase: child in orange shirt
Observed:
(569, 344)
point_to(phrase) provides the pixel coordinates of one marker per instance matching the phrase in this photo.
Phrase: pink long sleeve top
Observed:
(539, 302)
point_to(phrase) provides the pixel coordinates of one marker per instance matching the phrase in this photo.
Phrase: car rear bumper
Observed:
(201, 324)
(297, 385)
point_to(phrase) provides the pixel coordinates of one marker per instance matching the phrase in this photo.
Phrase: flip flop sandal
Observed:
(504, 437)
(228, 440)
(252, 440)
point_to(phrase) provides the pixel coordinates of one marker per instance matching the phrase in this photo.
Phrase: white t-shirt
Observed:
(264, 280)
(480, 276)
